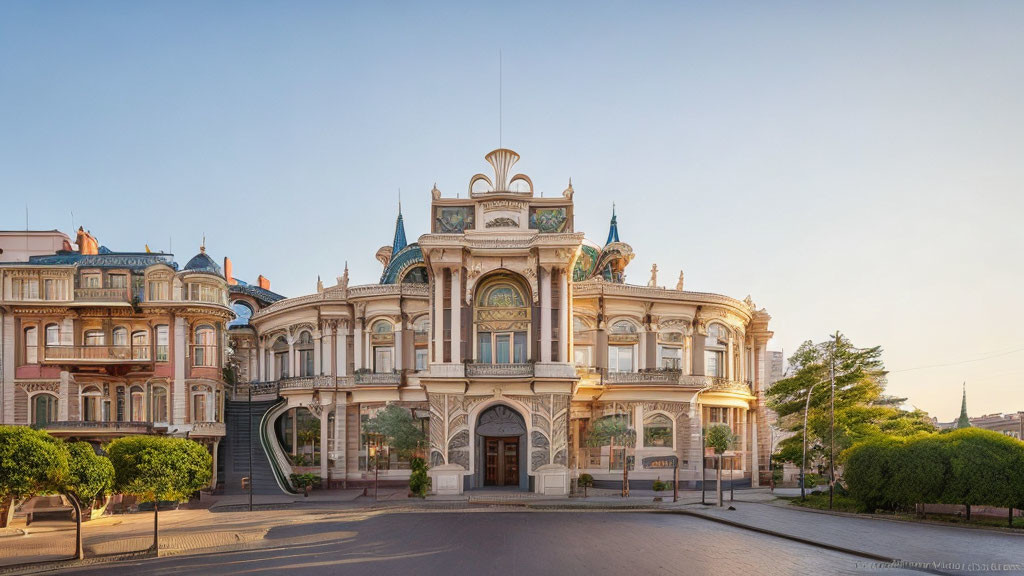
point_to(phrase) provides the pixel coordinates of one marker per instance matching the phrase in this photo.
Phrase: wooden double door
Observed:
(501, 461)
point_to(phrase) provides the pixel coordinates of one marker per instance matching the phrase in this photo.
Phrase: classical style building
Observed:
(99, 344)
(508, 336)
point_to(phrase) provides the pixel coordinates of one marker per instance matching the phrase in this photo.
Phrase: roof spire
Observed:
(963, 421)
(613, 230)
(399, 241)
(202, 247)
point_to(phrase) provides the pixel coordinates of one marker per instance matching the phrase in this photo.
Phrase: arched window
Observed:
(120, 336)
(204, 349)
(714, 350)
(140, 345)
(421, 339)
(31, 345)
(280, 352)
(304, 346)
(44, 409)
(502, 322)
(137, 409)
(657, 431)
(382, 340)
(159, 404)
(243, 312)
(92, 404)
(52, 335)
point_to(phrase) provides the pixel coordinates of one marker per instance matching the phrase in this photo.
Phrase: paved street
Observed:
(490, 542)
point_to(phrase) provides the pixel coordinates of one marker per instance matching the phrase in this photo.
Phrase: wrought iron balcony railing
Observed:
(378, 379)
(499, 370)
(96, 354)
(102, 295)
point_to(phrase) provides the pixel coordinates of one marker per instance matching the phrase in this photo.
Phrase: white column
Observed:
(339, 439)
(545, 314)
(357, 342)
(7, 368)
(741, 370)
(641, 363)
(343, 352)
(688, 355)
(456, 313)
(755, 470)
(317, 361)
(438, 319)
(324, 446)
(564, 319)
(326, 362)
(271, 370)
(292, 360)
(180, 401)
(731, 361)
(62, 399)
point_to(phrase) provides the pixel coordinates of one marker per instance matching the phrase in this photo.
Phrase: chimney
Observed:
(227, 271)
(263, 282)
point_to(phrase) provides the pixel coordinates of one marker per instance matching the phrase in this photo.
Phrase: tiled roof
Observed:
(202, 263)
(108, 259)
(265, 297)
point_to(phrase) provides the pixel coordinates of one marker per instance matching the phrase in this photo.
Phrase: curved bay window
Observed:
(304, 347)
(622, 344)
(502, 322)
(204, 347)
(714, 350)
(382, 341)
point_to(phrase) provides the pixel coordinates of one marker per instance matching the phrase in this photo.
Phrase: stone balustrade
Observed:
(504, 370)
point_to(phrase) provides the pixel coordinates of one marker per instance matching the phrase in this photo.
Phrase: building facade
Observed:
(507, 336)
(98, 344)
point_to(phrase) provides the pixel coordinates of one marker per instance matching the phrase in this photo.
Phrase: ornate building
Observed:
(508, 336)
(99, 344)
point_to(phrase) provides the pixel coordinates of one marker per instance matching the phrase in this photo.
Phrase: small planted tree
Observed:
(720, 438)
(89, 475)
(156, 468)
(585, 481)
(31, 463)
(612, 431)
(402, 433)
(419, 482)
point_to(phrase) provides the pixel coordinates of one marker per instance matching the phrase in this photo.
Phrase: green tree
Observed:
(31, 463)
(156, 468)
(982, 464)
(862, 410)
(720, 438)
(89, 476)
(614, 431)
(399, 430)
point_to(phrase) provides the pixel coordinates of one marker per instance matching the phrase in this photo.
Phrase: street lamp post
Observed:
(803, 463)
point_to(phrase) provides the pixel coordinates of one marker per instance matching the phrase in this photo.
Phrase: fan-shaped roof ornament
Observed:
(501, 160)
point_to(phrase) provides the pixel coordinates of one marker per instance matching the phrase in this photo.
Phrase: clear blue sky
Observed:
(852, 166)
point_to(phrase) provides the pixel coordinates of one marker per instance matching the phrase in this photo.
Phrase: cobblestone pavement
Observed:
(948, 548)
(507, 543)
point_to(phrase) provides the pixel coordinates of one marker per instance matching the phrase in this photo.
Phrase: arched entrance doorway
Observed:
(500, 446)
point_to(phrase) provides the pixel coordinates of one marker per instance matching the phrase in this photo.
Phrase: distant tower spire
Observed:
(963, 421)
(399, 241)
(613, 230)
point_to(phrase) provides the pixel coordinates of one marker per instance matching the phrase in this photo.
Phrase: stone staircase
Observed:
(236, 456)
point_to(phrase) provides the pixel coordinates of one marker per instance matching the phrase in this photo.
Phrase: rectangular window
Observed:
(620, 358)
(31, 346)
(90, 281)
(158, 291)
(671, 357)
(162, 347)
(483, 350)
(519, 350)
(421, 359)
(281, 365)
(94, 338)
(118, 280)
(305, 362)
(382, 359)
(502, 348)
(25, 289)
(718, 415)
(159, 405)
(581, 356)
(713, 363)
(199, 408)
(52, 335)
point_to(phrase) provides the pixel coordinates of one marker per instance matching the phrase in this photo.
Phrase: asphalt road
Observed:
(508, 543)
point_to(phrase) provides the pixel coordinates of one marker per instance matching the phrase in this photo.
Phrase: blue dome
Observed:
(202, 263)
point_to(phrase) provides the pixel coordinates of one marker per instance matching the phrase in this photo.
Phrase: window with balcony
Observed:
(52, 335)
(120, 336)
(140, 345)
(382, 339)
(421, 342)
(304, 347)
(199, 408)
(137, 412)
(92, 404)
(160, 404)
(162, 340)
(421, 359)
(657, 431)
(280, 352)
(204, 347)
(717, 415)
(54, 289)
(119, 281)
(31, 336)
(159, 290)
(620, 359)
(502, 322)
(94, 338)
(714, 350)
(25, 289)
(670, 350)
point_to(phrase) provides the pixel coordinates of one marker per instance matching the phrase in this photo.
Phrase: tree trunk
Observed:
(79, 549)
(719, 466)
(968, 512)
(6, 512)
(1009, 518)
(156, 527)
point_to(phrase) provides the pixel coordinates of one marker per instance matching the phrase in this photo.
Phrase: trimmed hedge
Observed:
(967, 467)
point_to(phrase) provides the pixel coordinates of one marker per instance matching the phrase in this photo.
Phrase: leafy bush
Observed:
(719, 437)
(419, 482)
(585, 481)
(300, 481)
(967, 467)
(660, 486)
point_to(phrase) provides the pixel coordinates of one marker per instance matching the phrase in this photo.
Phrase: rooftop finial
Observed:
(613, 229)
(202, 247)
